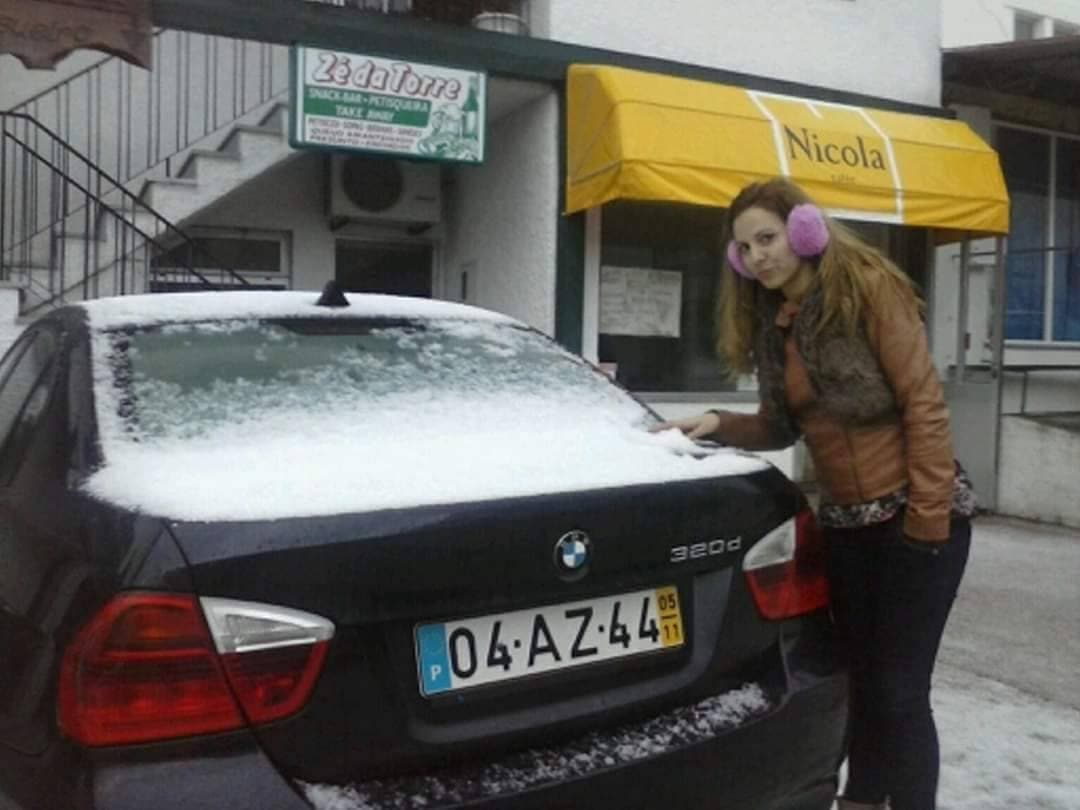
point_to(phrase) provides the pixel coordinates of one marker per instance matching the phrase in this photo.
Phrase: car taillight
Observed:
(786, 569)
(272, 655)
(153, 666)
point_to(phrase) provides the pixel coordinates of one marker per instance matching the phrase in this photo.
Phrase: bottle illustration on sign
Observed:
(455, 131)
(471, 108)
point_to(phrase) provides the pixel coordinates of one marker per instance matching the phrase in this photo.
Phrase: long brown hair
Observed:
(846, 273)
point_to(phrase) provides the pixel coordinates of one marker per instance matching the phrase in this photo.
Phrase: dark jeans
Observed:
(890, 603)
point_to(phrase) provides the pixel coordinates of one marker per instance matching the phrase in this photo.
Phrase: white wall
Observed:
(9, 311)
(1038, 471)
(501, 218)
(877, 47)
(1048, 391)
(291, 198)
(975, 22)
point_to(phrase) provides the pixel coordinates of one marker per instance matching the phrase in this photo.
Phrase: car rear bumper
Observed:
(772, 747)
(784, 757)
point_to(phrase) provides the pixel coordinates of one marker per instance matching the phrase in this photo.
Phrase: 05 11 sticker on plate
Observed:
(503, 646)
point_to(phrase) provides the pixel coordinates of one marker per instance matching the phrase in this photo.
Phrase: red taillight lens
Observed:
(144, 669)
(272, 684)
(786, 569)
(153, 667)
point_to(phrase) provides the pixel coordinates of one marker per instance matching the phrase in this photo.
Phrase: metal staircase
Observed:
(69, 231)
(90, 195)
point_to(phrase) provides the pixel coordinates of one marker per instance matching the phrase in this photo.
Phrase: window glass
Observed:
(219, 258)
(660, 265)
(19, 383)
(186, 382)
(1067, 242)
(1024, 26)
(1025, 162)
(224, 252)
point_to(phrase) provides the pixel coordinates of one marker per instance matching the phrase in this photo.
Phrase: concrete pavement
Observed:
(1017, 617)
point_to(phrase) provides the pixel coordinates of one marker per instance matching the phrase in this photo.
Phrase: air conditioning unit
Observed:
(372, 188)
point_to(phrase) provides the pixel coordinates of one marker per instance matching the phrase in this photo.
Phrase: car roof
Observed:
(156, 308)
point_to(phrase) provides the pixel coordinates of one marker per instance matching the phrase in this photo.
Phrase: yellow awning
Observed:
(645, 136)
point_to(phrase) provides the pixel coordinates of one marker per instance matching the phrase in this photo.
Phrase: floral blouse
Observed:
(852, 516)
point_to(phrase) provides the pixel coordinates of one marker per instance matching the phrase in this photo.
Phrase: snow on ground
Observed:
(1002, 749)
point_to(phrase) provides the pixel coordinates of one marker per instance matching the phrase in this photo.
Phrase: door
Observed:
(393, 268)
(971, 357)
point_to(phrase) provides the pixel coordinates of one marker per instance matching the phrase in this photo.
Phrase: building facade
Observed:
(628, 280)
(1012, 70)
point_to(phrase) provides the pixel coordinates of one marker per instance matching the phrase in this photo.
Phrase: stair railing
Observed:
(70, 231)
(129, 121)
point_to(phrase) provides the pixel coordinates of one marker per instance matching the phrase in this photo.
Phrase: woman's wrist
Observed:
(719, 414)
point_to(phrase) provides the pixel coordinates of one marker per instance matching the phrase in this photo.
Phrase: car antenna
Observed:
(332, 296)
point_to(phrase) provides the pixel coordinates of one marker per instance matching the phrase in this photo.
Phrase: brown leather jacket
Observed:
(870, 407)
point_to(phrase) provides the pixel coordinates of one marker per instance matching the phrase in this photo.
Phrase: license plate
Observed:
(504, 646)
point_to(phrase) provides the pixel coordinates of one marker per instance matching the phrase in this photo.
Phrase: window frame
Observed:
(1047, 341)
(198, 234)
(1026, 18)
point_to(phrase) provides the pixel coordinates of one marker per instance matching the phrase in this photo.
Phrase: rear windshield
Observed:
(316, 376)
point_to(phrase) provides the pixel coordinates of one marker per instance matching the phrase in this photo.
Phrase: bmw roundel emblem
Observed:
(572, 553)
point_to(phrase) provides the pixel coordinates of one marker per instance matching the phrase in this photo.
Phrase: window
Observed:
(660, 272)
(1066, 256)
(260, 257)
(1042, 172)
(20, 376)
(340, 376)
(1064, 29)
(659, 275)
(1025, 26)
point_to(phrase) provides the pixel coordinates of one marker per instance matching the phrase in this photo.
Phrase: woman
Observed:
(833, 330)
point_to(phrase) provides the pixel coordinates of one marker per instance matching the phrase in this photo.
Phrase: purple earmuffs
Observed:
(807, 234)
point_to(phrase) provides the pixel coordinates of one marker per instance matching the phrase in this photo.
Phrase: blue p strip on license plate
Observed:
(503, 646)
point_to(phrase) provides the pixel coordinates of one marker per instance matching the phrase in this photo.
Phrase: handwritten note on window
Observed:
(640, 301)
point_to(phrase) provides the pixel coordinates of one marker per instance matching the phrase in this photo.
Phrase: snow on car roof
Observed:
(138, 310)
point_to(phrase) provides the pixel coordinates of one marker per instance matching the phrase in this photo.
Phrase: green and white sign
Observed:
(393, 106)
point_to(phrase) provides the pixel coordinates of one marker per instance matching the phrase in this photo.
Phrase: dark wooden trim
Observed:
(295, 21)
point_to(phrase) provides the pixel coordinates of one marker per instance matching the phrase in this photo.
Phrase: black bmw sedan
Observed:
(261, 552)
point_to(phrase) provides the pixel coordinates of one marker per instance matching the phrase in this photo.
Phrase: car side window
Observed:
(80, 405)
(24, 393)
